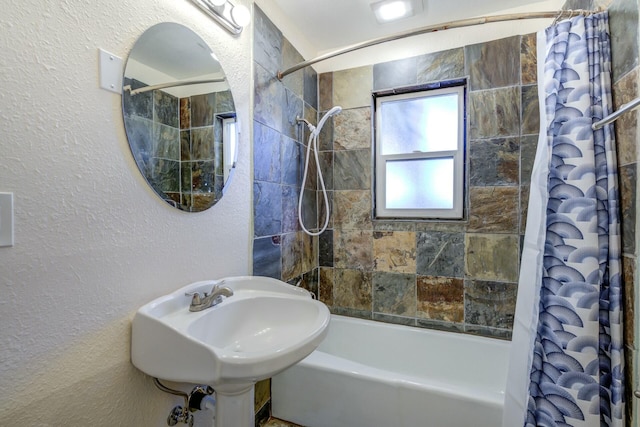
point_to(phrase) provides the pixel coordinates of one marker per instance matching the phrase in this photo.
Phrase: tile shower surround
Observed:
(456, 287)
(463, 274)
(458, 276)
(453, 275)
(182, 140)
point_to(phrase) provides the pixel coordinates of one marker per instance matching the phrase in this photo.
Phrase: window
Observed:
(229, 145)
(419, 153)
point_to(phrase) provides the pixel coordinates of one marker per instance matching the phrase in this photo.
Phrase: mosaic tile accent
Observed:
(394, 74)
(440, 298)
(529, 59)
(352, 170)
(494, 162)
(267, 209)
(440, 254)
(495, 113)
(353, 249)
(352, 209)
(394, 251)
(438, 66)
(492, 257)
(394, 293)
(494, 209)
(267, 42)
(490, 304)
(352, 88)
(493, 64)
(266, 153)
(353, 289)
(352, 129)
(626, 127)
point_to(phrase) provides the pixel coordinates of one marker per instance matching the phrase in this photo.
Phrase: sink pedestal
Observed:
(235, 408)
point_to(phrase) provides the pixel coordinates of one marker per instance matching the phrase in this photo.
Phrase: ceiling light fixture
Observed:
(393, 10)
(232, 18)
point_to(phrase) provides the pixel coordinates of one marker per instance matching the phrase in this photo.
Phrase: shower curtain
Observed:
(566, 363)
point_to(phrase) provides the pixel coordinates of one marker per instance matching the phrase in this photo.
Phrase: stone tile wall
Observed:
(623, 23)
(181, 138)
(280, 249)
(459, 276)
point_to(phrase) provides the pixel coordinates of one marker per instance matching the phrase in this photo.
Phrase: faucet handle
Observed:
(195, 297)
(216, 285)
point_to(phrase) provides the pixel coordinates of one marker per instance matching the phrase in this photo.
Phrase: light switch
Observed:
(110, 71)
(6, 219)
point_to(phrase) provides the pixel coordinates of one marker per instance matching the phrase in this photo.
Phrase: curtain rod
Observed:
(166, 85)
(439, 27)
(614, 116)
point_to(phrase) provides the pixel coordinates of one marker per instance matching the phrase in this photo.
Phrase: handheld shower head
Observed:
(335, 110)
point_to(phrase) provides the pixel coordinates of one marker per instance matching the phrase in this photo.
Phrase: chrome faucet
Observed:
(208, 300)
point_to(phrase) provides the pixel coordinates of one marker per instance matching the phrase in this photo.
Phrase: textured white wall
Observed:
(92, 241)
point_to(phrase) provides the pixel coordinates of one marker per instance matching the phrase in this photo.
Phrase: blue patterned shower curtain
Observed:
(567, 359)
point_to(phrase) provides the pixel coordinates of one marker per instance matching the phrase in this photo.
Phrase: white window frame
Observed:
(458, 155)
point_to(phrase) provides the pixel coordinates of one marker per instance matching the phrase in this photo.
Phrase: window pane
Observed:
(420, 124)
(420, 184)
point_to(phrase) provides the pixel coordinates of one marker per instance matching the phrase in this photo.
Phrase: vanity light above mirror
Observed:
(232, 18)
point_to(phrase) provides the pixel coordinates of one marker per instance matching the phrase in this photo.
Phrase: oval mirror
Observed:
(179, 117)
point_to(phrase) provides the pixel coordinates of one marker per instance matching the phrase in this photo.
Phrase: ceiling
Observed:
(331, 24)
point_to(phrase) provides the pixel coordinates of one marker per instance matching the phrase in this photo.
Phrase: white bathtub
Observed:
(372, 374)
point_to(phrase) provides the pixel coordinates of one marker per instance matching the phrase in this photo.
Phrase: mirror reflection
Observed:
(179, 117)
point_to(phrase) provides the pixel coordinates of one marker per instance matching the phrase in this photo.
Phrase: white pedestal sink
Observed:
(262, 329)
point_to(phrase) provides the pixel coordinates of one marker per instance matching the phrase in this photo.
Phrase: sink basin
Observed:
(263, 328)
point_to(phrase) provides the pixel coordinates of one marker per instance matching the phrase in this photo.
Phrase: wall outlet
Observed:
(6, 219)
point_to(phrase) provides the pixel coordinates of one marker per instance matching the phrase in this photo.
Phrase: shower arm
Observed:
(439, 27)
